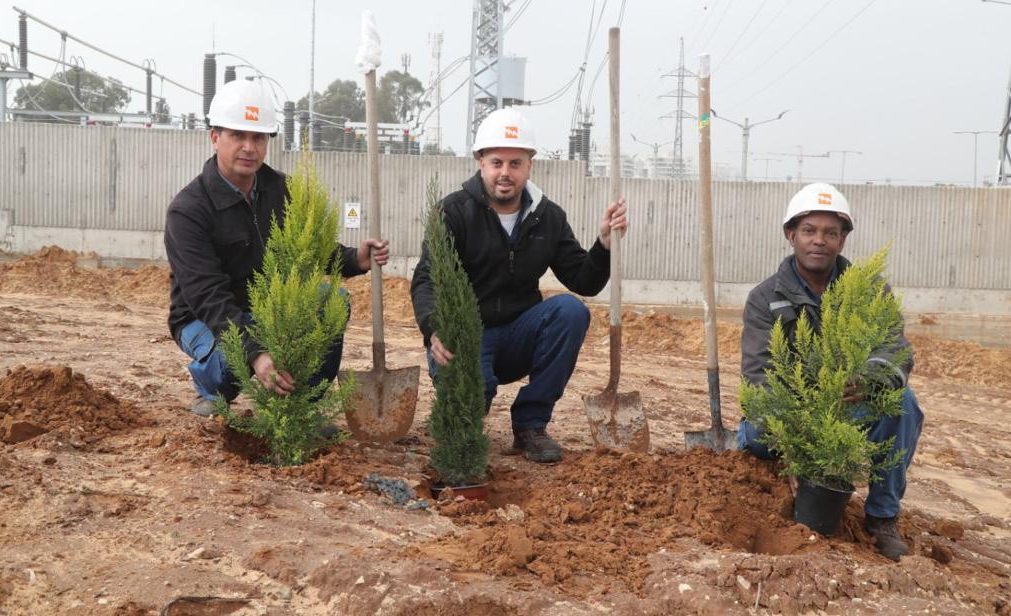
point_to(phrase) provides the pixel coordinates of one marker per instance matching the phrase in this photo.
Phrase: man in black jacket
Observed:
(508, 234)
(216, 231)
(817, 223)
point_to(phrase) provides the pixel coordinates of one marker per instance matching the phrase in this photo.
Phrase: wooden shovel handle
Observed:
(375, 219)
(614, 55)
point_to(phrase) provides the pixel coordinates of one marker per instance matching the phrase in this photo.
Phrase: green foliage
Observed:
(460, 454)
(801, 411)
(81, 88)
(298, 314)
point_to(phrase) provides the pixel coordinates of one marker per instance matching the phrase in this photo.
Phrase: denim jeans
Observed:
(210, 372)
(542, 343)
(884, 495)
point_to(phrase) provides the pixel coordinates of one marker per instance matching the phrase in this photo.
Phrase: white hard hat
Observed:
(819, 197)
(504, 128)
(243, 105)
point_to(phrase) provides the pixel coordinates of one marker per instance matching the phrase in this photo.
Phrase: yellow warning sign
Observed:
(352, 215)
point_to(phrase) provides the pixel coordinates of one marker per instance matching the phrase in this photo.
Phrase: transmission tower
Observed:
(435, 40)
(1003, 155)
(485, 51)
(680, 94)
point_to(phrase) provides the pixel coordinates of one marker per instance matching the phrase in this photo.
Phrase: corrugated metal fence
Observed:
(123, 179)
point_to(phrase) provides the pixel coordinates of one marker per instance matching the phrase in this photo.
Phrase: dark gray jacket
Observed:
(782, 296)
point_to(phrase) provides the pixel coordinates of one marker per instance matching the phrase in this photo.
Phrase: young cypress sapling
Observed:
(298, 313)
(460, 455)
(801, 410)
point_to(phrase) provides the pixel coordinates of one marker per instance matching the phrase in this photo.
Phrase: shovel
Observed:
(716, 437)
(617, 420)
(382, 407)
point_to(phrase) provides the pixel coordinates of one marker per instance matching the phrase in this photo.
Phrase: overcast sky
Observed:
(892, 79)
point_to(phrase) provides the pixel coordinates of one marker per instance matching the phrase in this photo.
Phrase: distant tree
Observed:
(431, 149)
(84, 91)
(400, 97)
(342, 98)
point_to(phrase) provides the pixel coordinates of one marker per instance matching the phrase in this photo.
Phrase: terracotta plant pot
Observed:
(474, 491)
(819, 508)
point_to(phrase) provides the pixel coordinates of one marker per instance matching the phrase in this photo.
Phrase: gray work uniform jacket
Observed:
(782, 296)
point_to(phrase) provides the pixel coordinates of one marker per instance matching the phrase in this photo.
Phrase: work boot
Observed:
(536, 445)
(203, 407)
(886, 535)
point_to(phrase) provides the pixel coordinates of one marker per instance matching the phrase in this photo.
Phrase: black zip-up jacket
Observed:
(215, 240)
(505, 274)
(782, 296)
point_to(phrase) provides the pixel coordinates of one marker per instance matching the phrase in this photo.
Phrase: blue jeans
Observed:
(210, 373)
(884, 495)
(543, 343)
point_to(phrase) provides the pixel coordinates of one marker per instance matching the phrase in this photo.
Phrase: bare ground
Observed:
(114, 500)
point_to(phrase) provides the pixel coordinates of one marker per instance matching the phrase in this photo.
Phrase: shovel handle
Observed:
(375, 219)
(614, 56)
(706, 241)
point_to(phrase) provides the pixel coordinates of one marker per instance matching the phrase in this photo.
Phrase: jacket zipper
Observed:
(256, 223)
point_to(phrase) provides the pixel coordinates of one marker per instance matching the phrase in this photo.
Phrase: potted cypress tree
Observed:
(801, 412)
(298, 313)
(460, 454)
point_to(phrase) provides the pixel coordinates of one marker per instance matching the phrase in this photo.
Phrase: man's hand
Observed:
(613, 220)
(279, 382)
(440, 353)
(378, 248)
(853, 394)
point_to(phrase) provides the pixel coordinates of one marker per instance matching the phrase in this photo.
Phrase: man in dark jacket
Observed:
(216, 231)
(817, 222)
(508, 234)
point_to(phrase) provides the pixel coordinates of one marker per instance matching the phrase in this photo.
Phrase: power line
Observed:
(66, 35)
(726, 56)
(761, 32)
(804, 58)
(787, 41)
(705, 20)
(718, 24)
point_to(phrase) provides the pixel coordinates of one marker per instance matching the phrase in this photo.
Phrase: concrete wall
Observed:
(106, 190)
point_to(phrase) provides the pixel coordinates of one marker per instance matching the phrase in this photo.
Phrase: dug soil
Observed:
(115, 500)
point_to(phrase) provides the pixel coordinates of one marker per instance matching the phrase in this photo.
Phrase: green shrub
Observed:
(298, 314)
(460, 454)
(801, 412)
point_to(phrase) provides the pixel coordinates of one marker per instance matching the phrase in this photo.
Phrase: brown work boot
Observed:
(886, 535)
(536, 445)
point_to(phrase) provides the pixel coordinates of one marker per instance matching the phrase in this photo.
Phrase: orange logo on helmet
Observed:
(512, 132)
(824, 198)
(252, 113)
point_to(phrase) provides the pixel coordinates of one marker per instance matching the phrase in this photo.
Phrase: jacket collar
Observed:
(224, 196)
(475, 188)
(789, 285)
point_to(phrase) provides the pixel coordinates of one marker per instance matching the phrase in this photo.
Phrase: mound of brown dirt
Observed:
(657, 331)
(39, 399)
(602, 514)
(967, 362)
(397, 306)
(54, 271)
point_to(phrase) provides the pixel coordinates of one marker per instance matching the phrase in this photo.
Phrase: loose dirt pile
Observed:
(39, 399)
(964, 361)
(55, 271)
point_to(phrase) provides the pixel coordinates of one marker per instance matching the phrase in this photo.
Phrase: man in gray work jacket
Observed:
(817, 223)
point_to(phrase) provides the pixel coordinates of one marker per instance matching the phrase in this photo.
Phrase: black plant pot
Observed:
(819, 508)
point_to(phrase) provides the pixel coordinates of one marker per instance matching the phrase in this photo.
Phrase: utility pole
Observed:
(485, 51)
(656, 149)
(800, 160)
(842, 173)
(15, 72)
(680, 94)
(778, 160)
(745, 132)
(312, 74)
(975, 143)
(435, 40)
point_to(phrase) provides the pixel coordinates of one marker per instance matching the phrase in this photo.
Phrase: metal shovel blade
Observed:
(717, 439)
(382, 407)
(617, 420)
